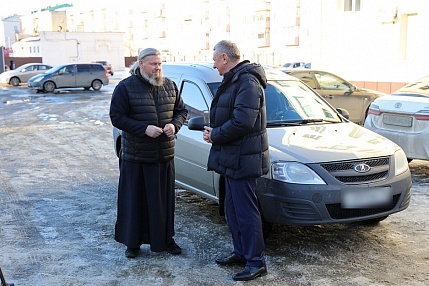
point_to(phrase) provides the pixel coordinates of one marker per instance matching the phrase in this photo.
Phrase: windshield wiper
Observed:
(298, 122)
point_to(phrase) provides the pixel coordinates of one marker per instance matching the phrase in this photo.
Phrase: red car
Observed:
(108, 67)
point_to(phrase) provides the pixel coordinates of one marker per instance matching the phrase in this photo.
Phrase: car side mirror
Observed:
(197, 123)
(352, 89)
(343, 113)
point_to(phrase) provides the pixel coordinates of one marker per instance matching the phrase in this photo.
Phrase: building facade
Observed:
(362, 40)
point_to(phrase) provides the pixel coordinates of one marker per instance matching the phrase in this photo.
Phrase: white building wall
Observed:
(371, 44)
(65, 47)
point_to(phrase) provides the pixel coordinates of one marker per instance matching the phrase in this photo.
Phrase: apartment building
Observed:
(363, 40)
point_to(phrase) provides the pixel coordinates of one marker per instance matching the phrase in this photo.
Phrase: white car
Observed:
(23, 73)
(403, 117)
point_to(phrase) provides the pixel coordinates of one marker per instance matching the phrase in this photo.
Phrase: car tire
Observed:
(96, 84)
(49, 86)
(14, 81)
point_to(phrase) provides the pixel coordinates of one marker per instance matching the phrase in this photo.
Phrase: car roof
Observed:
(206, 71)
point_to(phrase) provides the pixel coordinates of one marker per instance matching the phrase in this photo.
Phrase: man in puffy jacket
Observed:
(149, 110)
(239, 152)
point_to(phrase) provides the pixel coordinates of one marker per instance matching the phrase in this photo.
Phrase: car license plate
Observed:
(405, 121)
(366, 198)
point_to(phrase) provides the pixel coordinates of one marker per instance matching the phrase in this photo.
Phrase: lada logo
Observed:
(398, 105)
(361, 168)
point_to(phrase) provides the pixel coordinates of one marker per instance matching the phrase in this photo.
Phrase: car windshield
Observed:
(292, 102)
(419, 88)
(213, 87)
(21, 67)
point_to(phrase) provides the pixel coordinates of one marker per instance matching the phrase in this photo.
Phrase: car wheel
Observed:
(96, 84)
(49, 86)
(14, 81)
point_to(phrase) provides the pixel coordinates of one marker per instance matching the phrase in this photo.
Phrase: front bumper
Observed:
(294, 204)
(35, 85)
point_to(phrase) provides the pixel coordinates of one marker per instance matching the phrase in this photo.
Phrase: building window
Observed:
(351, 5)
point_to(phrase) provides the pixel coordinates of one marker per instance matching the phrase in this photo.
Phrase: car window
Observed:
(418, 88)
(194, 99)
(97, 67)
(299, 102)
(43, 67)
(66, 69)
(213, 86)
(83, 68)
(330, 82)
(307, 78)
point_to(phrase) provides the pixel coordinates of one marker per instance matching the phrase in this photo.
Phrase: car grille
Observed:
(344, 172)
(336, 212)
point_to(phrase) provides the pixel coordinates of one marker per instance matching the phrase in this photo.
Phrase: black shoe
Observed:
(250, 273)
(233, 259)
(131, 252)
(173, 248)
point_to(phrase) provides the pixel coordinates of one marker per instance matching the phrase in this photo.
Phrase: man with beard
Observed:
(149, 110)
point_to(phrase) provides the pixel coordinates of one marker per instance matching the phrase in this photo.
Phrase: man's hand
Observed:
(207, 133)
(153, 131)
(169, 129)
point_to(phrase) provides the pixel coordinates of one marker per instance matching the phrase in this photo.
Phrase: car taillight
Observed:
(422, 115)
(374, 109)
(106, 73)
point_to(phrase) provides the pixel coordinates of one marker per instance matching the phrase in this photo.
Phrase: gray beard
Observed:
(154, 81)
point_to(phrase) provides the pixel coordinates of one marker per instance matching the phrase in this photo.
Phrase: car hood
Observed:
(37, 76)
(406, 103)
(7, 74)
(372, 92)
(326, 143)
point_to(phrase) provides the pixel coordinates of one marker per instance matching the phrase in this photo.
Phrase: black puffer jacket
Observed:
(238, 118)
(136, 104)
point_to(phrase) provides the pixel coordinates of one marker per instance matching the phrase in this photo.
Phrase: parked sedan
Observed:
(403, 117)
(23, 73)
(338, 92)
(324, 168)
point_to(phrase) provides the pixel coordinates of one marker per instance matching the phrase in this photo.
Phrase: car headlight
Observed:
(401, 162)
(296, 173)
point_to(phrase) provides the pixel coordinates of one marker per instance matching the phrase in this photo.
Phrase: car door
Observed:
(84, 75)
(66, 76)
(191, 151)
(28, 72)
(338, 93)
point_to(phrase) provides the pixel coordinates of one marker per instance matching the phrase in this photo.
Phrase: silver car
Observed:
(23, 73)
(324, 168)
(86, 75)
